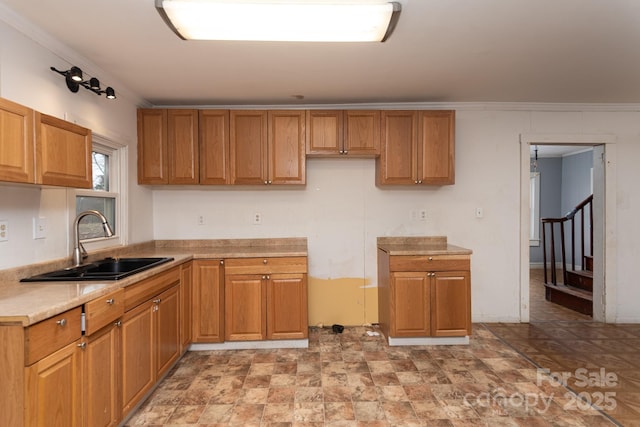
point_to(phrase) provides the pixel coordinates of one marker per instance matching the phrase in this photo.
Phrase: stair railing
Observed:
(550, 225)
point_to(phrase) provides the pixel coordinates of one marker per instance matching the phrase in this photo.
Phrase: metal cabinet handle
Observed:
(341, 151)
(264, 261)
(111, 301)
(264, 277)
(82, 345)
(118, 323)
(430, 258)
(419, 181)
(268, 277)
(157, 301)
(266, 182)
(221, 262)
(269, 181)
(62, 322)
(345, 152)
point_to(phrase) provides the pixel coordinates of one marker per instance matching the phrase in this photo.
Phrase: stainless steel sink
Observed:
(105, 269)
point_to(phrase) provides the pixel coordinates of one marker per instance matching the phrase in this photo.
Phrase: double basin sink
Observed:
(105, 269)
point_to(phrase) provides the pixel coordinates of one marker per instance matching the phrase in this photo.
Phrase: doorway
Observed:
(604, 219)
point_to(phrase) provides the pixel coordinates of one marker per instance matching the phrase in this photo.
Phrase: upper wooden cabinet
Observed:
(39, 149)
(152, 147)
(63, 153)
(417, 148)
(335, 132)
(182, 146)
(214, 146)
(16, 142)
(267, 147)
(168, 151)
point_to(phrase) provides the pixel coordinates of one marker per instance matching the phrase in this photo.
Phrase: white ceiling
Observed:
(580, 51)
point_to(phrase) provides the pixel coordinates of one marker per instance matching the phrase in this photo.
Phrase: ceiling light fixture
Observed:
(284, 20)
(73, 78)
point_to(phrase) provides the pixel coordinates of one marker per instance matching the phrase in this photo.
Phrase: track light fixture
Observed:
(74, 79)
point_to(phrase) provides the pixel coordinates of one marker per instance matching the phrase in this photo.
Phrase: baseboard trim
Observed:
(251, 345)
(428, 341)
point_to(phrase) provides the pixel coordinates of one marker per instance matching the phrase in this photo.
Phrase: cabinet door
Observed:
(248, 147)
(324, 132)
(16, 143)
(182, 146)
(54, 389)
(63, 153)
(362, 132)
(436, 148)
(398, 158)
(287, 306)
(138, 355)
(152, 147)
(186, 293)
(214, 146)
(286, 147)
(101, 377)
(167, 328)
(410, 310)
(451, 304)
(244, 307)
(208, 301)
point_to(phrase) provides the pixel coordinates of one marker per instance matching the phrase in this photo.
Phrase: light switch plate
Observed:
(39, 227)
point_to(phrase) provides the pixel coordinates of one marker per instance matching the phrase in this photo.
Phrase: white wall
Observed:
(25, 78)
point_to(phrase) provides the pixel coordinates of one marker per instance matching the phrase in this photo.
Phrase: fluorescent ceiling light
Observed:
(307, 21)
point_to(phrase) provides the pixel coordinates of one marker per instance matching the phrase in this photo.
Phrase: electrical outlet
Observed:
(257, 218)
(422, 214)
(4, 231)
(479, 213)
(200, 219)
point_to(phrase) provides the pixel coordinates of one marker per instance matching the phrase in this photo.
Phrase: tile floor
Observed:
(600, 361)
(352, 379)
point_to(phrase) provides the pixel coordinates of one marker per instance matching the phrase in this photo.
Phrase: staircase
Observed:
(576, 289)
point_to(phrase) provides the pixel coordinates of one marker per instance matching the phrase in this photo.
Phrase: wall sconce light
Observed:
(74, 79)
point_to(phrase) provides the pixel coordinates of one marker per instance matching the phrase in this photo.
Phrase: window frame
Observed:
(117, 190)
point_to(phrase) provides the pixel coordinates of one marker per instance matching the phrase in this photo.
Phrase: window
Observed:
(105, 195)
(534, 206)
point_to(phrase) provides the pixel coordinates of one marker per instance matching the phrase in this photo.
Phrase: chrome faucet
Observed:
(79, 253)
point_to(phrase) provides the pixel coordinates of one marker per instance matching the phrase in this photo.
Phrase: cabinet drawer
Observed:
(103, 310)
(142, 291)
(429, 263)
(265, 265)
(52, 334)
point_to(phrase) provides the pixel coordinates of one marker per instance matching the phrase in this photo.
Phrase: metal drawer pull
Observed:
(118, 323)
(157, 301)
(264, 261)
(430, 258)
(111, 301)
(62, 322)
(82, 345)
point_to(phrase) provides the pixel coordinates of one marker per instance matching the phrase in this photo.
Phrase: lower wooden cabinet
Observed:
(150, 334)
(269, 302)
(54, 389)
(101, 377)
(186, 291)
(424, 296)
(208, 301)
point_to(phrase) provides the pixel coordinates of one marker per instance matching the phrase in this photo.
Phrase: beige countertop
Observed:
(414, 245)
(28, 303)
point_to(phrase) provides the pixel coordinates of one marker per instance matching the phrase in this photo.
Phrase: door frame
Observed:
(604, 229)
